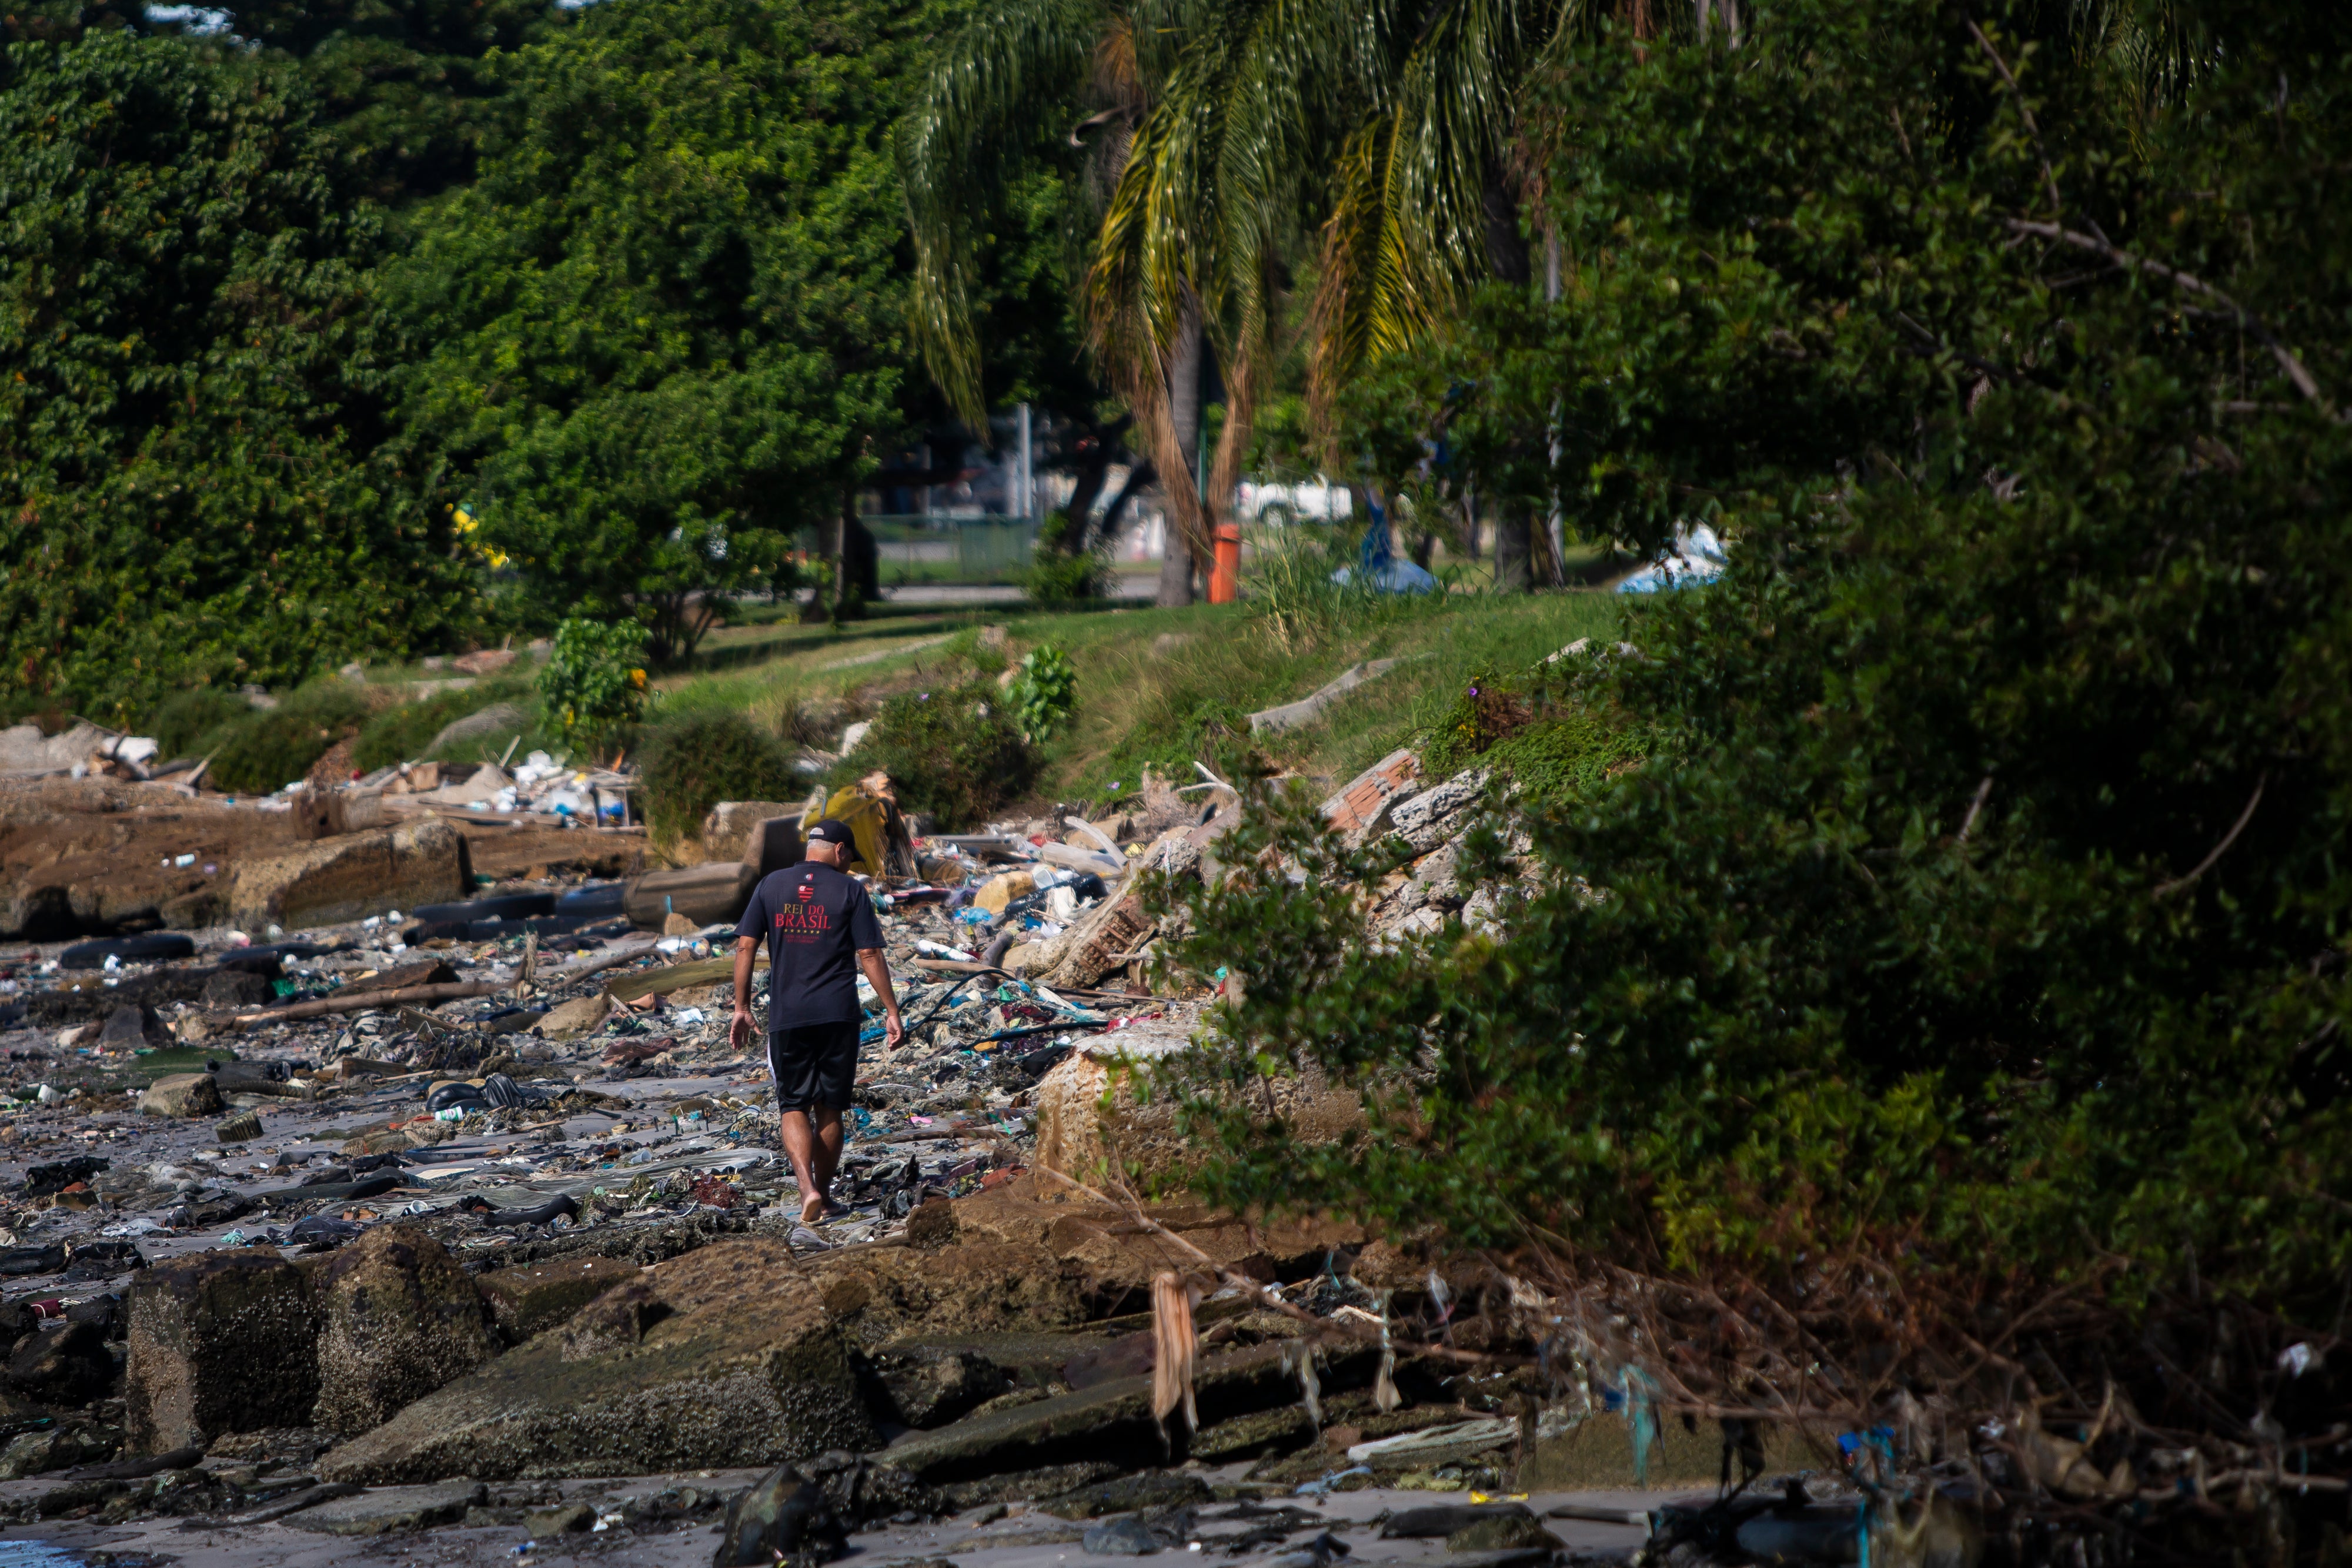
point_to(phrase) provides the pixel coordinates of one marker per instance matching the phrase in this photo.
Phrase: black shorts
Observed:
(815, 1065)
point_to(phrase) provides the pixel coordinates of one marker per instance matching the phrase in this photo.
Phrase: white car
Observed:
(1312, 500)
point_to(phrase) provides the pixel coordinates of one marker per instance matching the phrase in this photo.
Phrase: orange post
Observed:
(1225, 570)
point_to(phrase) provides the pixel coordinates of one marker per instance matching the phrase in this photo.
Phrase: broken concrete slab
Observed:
(1111, 1421)
(352, 877)
(1436, 815)
(220, 1342)
(399, 1319)
(182, 1095)
(582, 1015)
(737, 1362)
(1310, 707)
(705, 895)
(537, 1297)
(1091, 1121)
(392, 1508)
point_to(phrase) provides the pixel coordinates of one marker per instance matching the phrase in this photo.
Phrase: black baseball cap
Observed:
(830, 831)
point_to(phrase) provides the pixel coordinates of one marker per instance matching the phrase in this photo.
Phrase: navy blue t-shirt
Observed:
(815, 919)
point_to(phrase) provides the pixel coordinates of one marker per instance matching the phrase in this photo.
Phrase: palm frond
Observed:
(984, 104)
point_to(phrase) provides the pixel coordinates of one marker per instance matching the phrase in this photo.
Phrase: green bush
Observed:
(691, 763)
(1556, 745)
(954, 754)
(594, 678)
(1044, 694)
(1057, 576)
(271, 747)
(183, 721)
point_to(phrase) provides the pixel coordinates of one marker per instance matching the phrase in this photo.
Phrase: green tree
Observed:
(669, 314)
(404, 88)
(1977, 925)
(194, 454)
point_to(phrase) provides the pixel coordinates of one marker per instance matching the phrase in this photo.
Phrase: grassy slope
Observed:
(1151, 679)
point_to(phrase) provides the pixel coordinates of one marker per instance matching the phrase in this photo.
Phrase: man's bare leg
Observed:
(815, 1146)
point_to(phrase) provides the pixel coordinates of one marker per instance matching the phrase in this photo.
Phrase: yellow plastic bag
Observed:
(868, 817)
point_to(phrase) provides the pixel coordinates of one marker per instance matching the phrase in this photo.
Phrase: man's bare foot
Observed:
(811, 1209)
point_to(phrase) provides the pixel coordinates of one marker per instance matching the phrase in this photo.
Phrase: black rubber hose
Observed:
(561, 1204)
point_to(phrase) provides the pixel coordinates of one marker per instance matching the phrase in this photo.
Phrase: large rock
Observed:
(350, 878)
(1091, 1121)
(399, 1319)
(238, 988)
(68, 1366)
(37, 1453)
(537, 1297)
(731, 825)
(220, 1342)
(133, 1028)
(735, 1362)
(929, 1379)
(182, 1095)
(781, 1517)
(877, 1293)
(1110, 1256)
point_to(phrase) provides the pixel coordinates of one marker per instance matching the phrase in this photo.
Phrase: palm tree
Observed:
(1008, 80)
(1236, 131)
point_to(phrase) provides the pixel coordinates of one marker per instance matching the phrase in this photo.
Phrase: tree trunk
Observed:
(857, 564)
(1176, 564)
(1512, 572)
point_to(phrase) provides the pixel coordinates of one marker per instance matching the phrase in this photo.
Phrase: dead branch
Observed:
(2049, 177)
(2166, 889)
(2121, 257)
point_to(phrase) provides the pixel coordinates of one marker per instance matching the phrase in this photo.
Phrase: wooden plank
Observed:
(678, 978)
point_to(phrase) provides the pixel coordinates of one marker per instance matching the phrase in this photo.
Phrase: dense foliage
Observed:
(1984, 906)
(194, 455)
(666, 310)
(387, 330)
(594, 677)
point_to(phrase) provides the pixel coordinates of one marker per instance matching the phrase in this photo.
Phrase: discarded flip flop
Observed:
(802, 1237)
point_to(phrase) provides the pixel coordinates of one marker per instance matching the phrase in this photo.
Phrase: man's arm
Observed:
(877, 975)
(741, 1029)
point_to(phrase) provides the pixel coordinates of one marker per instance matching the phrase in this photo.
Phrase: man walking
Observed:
(821, 930)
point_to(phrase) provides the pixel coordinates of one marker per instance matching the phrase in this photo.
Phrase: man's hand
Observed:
(893, 1029)
(743, 1027)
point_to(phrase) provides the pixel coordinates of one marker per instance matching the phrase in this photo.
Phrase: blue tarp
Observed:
(1698, 556)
